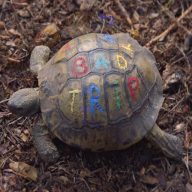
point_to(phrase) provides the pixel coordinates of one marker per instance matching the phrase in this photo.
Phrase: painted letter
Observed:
(133, 91)
(120, 66)
(128, 47)
(108, 38)
(117, 95)
(65, 48)
(82, 65)
(73, 97)
(95, 100)
(104, 63)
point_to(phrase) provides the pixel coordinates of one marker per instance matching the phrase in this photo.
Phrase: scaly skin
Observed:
(169, 144)
(39, 57)
(43, 143)
(25, 102)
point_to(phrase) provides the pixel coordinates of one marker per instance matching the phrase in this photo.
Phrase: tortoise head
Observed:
(25, 102)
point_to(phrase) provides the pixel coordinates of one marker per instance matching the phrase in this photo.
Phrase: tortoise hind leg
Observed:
(169, 144)
(43, 143)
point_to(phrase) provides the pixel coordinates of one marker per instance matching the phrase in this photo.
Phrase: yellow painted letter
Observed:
(120, 66)
(128, 47)
(73, 97)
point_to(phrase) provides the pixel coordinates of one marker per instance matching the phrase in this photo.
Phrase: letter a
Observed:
(104, 63)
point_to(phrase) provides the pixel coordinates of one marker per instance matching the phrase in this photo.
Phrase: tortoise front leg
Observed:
(43, 143)
(169, 144)
(39, 57)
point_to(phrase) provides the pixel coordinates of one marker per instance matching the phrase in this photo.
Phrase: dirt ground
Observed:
(163, 26)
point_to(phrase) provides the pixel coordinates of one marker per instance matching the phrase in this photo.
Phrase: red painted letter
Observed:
(82, 65)
(65, 48)
(133, 91)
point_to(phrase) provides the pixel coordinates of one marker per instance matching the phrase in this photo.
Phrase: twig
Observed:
(169, 186)
(172, 108)
(125, 13)
(14, 60)
(170, 28)
(4, 37)
(15, 121)
(103, 26)
(4, 100)
(106, 4)
(4, 114)
(186, 144)
(85, 183)
(189, 66)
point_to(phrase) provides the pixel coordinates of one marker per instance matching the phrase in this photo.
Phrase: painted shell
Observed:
(100, 92)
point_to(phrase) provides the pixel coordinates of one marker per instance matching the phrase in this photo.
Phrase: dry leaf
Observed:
(142, 171)
(115, 15)
(64, 179)
(109, 174)
(24, 170)
(45, 190)
(24, 138)
(85, 173)
(126, 188)
(2, 25)
(14, 32)
(2, 189)
(148, 179)
(86, 5)
(10, 43)
(188, 187)
(26, 131)
(50, 29)
(185, 109)
(180, 127)
(24, 13)
(153, 15)
(136, 16)
(157, 24)
(94, 181)
(168, 70)
(49, 36)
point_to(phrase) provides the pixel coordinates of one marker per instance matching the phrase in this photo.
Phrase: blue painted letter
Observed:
(108, 38)
(104, 63)
(95, 100)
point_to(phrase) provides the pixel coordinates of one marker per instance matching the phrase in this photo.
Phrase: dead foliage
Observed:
(164, 26)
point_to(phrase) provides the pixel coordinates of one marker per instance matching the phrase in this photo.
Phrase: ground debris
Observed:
(24, 170)
(142, 167)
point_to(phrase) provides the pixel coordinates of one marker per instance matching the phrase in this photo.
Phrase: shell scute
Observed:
(66, 52)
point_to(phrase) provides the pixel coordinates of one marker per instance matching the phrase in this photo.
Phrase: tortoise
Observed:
(99, 92)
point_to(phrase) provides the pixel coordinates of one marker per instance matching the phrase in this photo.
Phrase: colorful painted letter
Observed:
(65, 48)
(95, 100)
(81, 65)
(128, 47)
(120, 66)
(73, 97)
(133, 91)
(108, 38)
(104, 63)
(117, 96)
(104, 18)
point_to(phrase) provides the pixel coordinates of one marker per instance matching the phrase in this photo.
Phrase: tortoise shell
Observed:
(100, 92)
